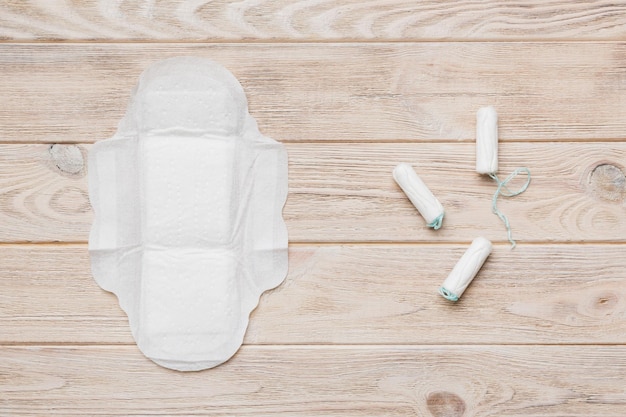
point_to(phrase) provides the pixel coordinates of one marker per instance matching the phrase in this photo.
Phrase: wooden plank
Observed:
(363, 294)
(568, 199)
(303, 381)
(345, 193)
(331, 92)
(43, 189)
(311, 20)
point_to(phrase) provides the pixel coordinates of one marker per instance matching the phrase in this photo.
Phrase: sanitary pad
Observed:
(188, 197)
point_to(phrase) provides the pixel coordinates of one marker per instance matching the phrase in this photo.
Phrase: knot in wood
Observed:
(445, 404)
(608, 182)
(607, 301)
(67, 158)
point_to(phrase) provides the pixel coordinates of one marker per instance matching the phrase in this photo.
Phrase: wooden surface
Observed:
(381, 92)
(352, 88)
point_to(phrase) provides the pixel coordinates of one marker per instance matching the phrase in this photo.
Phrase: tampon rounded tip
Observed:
(483, 243)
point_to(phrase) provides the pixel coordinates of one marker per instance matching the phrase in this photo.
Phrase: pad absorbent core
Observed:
(188, 228)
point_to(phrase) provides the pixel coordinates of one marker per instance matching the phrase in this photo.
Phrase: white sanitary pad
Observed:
(188, 197)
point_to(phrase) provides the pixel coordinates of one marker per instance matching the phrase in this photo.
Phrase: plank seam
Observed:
(288, 41)
(52, 345)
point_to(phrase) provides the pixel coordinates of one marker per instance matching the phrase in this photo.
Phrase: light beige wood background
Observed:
(351, 88)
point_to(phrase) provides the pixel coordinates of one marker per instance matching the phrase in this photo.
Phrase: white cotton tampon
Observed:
(487, 140)
(422, 198)
(466, 269)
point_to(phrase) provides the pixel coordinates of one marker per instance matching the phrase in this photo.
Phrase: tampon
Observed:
(487, 140)
(422, 198)
(466, 269)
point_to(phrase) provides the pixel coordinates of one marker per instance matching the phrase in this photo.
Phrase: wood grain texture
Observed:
(352, 88)
(362, 294)
(346, 193)
(334, 92)
(439, 381)
(310, 20)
